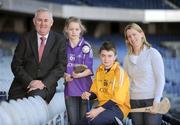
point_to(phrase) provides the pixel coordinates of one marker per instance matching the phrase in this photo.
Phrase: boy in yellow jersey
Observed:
(110, 87)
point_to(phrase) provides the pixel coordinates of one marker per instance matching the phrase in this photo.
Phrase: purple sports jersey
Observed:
(77, 56)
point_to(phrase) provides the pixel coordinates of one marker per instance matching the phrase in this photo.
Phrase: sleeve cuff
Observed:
(92, 96)
(157, 99)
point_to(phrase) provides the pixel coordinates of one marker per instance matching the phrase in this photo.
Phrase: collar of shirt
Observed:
(39, 40)
(80, 43)
(134, 58)
(102, 67)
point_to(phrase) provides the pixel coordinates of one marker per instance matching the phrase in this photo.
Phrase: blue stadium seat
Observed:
(133, 4)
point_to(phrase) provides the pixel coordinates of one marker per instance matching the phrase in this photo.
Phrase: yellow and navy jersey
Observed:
(112, 85)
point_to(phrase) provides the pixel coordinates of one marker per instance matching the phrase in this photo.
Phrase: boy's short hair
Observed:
(108, 46)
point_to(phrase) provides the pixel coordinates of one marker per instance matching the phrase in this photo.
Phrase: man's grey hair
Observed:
(43, 10)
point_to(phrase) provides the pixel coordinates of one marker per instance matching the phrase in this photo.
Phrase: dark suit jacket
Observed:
(25, 65)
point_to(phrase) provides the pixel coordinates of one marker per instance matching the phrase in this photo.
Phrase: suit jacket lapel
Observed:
(49, 43)
(34, 45)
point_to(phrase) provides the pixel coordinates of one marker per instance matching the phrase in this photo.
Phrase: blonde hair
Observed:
(76, 20)
(139, 29)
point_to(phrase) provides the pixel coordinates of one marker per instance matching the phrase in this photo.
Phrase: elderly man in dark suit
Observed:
(39, 60)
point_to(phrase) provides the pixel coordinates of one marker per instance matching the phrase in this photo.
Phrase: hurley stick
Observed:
(163, 107)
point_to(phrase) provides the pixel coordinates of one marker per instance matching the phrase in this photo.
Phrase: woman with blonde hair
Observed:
(145, 69)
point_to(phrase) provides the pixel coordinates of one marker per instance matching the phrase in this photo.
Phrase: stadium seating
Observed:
(9, 36)
(133, 4)
(69, 2)
(33, 111)
(176, 2)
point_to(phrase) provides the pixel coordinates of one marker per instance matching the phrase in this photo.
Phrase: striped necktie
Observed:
(41, 48)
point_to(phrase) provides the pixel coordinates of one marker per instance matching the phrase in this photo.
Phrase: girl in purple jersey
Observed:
(79, 52)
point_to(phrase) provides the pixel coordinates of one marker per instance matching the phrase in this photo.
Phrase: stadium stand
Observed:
(134, 4)
(9, 36)
(69, 2)
(33, 111)
(176, 2)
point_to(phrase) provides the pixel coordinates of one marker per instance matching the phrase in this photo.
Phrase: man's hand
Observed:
(85, 95)
(30, 89)
(94, 112)
(36, 84)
